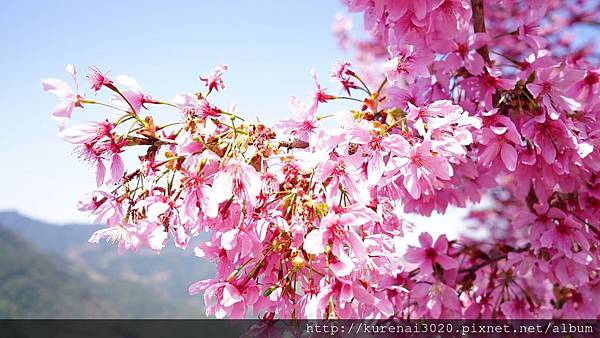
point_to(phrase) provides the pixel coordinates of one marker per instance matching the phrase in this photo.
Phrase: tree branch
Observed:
(479, 26)
(491, 260)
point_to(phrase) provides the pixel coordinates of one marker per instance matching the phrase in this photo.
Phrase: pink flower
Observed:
(135, 96)
(534, 61)
(122, 234)
(579, 305)
(319, 96)
(93, 200)
(528, 31)
(549, 86)
(236, 179)
(447, 15)
(406, 64)
(214, 79)
(500, 139)
(240, 243)
(90, 154)
(563, 235)
(302, 127)
(69, 99)
(570, 271)
(223, 299)
(464, 53)
(97, 80)
(107, 208)
(335, 231)
(197, 192)
(410, 29)
(429, 254)
(94, 148)
(549, 136)
(422, 169)
(516, 309)
(117, 168)
(417, 94)
(343, 176)
(191, 106)
(341, 72)
(436, 301)
(484, 86)
(375, 147)
(586, 89)
(398, 9)
(437, 116)
(86, 133)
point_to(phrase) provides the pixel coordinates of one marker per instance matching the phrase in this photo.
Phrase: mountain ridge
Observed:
(165, 277)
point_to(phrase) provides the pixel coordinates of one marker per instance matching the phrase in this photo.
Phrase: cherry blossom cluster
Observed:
(515, 65)
(455, 102)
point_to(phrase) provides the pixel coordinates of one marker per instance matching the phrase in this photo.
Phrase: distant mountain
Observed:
(132, 285)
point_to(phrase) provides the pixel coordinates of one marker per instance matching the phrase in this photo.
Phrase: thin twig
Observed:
(491, 260)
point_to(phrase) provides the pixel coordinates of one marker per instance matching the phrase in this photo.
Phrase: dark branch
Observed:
(479, 26)
(491, 260)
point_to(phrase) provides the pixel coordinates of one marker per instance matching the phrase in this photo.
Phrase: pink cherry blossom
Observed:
(375, 148)
(417, 94)
(121, 234)
(422, 169)
(516, 309)
(98, 79)
(486, 85)
(319, 96)
(431, 253)
(463, 52)
(436, 301)
(69, 98)
(237, 179)
(341, 72)
(192, 106)
(344, 178)
(304, 126)
(586, 89)
(405, 64)
(549, 84)
(489, 107)
(135, 96)
(500, 140)
(227, 299)
(529, 28)
(214, 79)
(86, 133)
(334, 228)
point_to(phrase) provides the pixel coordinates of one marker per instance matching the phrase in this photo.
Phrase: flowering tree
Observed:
(456, 100)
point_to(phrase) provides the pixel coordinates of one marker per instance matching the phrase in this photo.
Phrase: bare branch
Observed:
(479, 26)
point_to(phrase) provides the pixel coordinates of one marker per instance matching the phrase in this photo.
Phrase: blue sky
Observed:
(270, 46)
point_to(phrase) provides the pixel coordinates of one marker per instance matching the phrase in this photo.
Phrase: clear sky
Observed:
(270, 46)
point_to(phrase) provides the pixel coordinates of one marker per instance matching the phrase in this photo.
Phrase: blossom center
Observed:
(340, 169)
(591, 78)
(307, 126)
(462, 49)
(418, 160)
(546, 87)
(375, 143)
(402, 66)
(430, 253)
